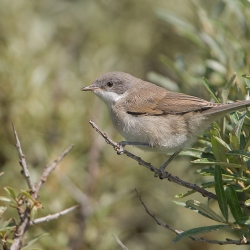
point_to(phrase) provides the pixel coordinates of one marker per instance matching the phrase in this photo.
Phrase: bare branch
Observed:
(53, 216)
(24, 206)
(22, 161)
(219, 242)
(49, 169)
(120, 243)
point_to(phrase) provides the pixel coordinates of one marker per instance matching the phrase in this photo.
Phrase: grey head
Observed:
(111, 86)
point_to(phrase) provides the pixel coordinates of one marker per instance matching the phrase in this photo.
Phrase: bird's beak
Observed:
(89, 88)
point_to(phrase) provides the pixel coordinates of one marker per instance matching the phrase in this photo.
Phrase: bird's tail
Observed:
(222, 110)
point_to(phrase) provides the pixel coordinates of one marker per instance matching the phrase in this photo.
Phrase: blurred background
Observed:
(49, 50)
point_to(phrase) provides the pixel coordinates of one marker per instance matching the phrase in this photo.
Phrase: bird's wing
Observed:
(164, 102)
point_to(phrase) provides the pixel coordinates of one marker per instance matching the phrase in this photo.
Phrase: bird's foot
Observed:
(120, 149)
(163, 174)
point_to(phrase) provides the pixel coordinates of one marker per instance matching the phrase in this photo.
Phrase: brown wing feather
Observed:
(164, 102)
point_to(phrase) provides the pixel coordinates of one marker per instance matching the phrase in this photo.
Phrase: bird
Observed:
(153, 118)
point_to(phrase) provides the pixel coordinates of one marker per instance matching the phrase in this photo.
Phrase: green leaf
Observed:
(227, 87)
(234, 141)
(219, 190)
(196, 152)
(27, 195)
(200, 208)
(189, 192)
(27, 246)
(233, 118)
(216, 66)
(214, 46)
(206, 171)
(247, 203)
(233, 203)
(218, 150)
(235, 134)
(192, 152)
(7, 229)
(245, 220)
(246, 76)
(11, 192)
(3, 198)
(198, 230)
(163, 81)
(239, 152)
(205, 81)
(177, 22)
(213, 162)
(204, 210)
(223, 143)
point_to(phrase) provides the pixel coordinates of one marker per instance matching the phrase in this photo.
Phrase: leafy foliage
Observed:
(227, 144)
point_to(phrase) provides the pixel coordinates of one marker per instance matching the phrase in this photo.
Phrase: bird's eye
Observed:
(109, 84)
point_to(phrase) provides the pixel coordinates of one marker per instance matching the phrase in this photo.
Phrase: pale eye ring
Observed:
(109, 84)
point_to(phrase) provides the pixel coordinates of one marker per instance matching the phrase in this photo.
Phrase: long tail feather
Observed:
(221, 110)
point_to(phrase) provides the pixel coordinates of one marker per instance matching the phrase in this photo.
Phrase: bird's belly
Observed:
(167, 134)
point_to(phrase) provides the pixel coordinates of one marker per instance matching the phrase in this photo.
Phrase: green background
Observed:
(48, 51)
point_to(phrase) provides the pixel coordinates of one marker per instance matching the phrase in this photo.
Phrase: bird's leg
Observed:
(163, 166)
(122, 145)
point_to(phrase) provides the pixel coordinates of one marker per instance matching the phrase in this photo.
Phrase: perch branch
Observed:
(149, 166)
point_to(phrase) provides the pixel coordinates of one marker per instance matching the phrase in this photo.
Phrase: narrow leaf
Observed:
(27, 246)
(233, 203)
(176, 21)
(219, 190)
(223, 143)
(7, 229)
(198, 230)
(27, 195)
(200, 208)
(205, 81)
(218, 150)
(239, 152)
(236, 133)
(11, 192)
(246, 76)
(245, 221)
(189, 192)
(196, 152)
(3, 198)
(213, 162)
(226, 89)
(204, 210)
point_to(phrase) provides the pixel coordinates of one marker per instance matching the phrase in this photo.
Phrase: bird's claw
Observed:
(120, 148)
(163, 174)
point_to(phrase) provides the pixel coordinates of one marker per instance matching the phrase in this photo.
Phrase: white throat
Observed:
(108, 97)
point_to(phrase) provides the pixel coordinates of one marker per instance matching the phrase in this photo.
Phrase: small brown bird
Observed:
(153, 118)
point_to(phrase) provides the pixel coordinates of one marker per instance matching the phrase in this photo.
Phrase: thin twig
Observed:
(49, 169)
(226, 242)
(22, 161)
(53, 216)
(120, 243)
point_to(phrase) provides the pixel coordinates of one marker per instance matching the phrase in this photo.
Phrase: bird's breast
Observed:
(166, 133)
